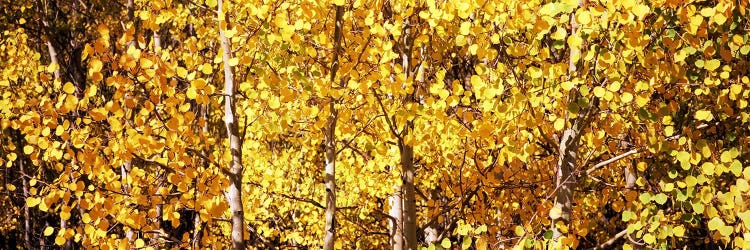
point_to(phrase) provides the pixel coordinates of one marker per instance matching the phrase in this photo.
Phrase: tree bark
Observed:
(564, 180)
(26, 213)
(407, 152)
(330, 140)
(234, 193)
(568, 153)
(409, 197)
(397, 225)
(53, 58)
(403, 201)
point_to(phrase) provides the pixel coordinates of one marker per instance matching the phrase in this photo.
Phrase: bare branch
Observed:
(613, 159)
(607, 244)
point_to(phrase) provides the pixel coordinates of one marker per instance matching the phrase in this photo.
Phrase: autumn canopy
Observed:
(374, 124)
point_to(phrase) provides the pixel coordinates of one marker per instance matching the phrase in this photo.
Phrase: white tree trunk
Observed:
(397, 226)
(329, 241)
(234, 193)
(407, 153)
(568, 152)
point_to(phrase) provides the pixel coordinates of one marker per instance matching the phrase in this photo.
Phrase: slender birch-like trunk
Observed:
(330, 141)
(407, 153)
(26, 213)
(397, 225)
(403, 201)
(234, 193)
(568, 153)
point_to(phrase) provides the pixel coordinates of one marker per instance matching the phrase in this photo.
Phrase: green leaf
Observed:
(548, 234)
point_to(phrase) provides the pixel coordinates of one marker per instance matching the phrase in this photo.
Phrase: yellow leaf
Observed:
(98, 114)
(641, 10)
(52, 67)
(683, 156)
(60, 240)
(668, 130)
(139, 243)
(583, 17)
(726, 156)
(96, 65)
(712, 64)
(559, 124)
(704, 115)
(626, 97)
(69, 88)
(599, 91)
(28, 149)
(476, 82)
(708, 12)
(695, 22)
(48, 231)
(567, 85)
(181, 72)
(726, 231)
(32, 201)
(742, 185)
(649, 238)
(144, 15)
(678, 231)
(207, 68)
(191, 93)
(535, 72)
(465, 28)
(339, 2)
(481, 244)
(628, 4)
(559, 34)
(575, 41)
(641, 100)
(233, 62)
(86, 218)
(460, 40)
(719, 18)
(274, 102)
(446, 243)
(555, 213)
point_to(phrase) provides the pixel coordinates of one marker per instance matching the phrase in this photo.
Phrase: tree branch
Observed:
(607, 244)
(391, 126)
(610, 160)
